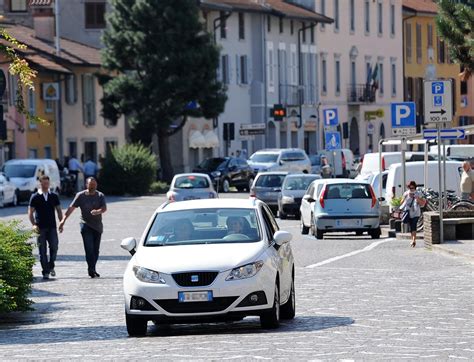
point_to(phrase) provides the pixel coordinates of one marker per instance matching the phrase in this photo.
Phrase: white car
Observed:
(191, 186)
(8, 192)
(206, 261)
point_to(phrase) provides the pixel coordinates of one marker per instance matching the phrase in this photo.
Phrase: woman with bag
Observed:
(411, 205)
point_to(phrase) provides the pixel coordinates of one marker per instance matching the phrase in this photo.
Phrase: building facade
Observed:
(361, 66)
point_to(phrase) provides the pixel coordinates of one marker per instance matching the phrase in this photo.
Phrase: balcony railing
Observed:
(294, 95)
(361, 93)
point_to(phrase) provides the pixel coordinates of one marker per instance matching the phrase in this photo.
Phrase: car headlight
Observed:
(147, 275)
(216, 174)
(246, 271)
(287, 200)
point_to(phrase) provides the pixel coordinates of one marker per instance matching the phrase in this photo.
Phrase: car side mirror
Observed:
(280, 163)
(381, 199)
(282, 237)
(129, 244)
(277, 189)
(308, 198)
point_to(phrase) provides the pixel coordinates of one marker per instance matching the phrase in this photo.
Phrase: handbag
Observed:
(406, 214)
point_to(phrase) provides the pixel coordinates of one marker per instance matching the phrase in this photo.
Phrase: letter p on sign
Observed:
(331, 117)
(403, 114)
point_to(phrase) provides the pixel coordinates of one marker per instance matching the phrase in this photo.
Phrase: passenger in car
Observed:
(183, 230)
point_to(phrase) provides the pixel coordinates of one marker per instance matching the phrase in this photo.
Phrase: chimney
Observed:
(43, 19)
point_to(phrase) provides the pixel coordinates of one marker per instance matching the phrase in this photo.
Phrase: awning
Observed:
(196, 140)
(211, 139)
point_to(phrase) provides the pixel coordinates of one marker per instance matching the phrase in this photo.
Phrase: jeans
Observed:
(91, 239)
(48, 236)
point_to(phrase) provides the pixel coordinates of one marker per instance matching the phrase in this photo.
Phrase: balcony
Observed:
(360, 93)
(295, 95)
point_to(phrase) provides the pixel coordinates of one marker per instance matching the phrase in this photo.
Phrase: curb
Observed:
(443, 250)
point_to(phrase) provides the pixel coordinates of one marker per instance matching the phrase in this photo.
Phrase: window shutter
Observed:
(237, 70)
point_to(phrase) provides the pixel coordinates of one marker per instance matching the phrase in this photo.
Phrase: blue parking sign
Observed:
(437, 88)
(331, 117)
(403, 115)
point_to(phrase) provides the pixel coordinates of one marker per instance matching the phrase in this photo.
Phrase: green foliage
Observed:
(130, 169)
(16, 265)
(396, 201)
(455, 23)
(159, 187)
(162, 59)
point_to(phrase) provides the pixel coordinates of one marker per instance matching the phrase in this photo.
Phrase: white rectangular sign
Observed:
(438, 101)
(252, 126)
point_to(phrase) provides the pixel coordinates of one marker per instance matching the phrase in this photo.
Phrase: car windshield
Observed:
(191, 182)
(21, 171)
(269, 180)
(204, 226)
(298, 183)
(264, 157)
(347, 191)
(292, 156)
(212, 164)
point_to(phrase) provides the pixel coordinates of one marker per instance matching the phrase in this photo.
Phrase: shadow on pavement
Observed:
(75, 258)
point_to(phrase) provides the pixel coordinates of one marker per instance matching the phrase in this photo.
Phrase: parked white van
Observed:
(342, 162)
(456, 152)
(415, 172)
(370, 162)
(24, 173)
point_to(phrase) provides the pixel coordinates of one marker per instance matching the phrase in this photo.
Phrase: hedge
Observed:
(16, 267)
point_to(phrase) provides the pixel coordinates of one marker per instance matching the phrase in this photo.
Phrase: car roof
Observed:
(209, 204)
(273, 173)
(291, 175)
(31, 161)
(191, 174)
(343, 180)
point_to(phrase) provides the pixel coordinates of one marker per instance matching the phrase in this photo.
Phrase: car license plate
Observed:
(191, 198)
(184, 297)
(348, 222)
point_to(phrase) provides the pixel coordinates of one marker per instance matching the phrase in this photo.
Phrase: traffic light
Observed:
(278, 112)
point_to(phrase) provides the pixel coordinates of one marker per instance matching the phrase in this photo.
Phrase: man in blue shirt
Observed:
(41, 210)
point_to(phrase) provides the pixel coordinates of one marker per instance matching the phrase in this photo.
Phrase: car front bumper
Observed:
(230, 298)
(347, 222)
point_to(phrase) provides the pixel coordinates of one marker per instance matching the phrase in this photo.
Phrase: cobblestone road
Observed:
(389, 302)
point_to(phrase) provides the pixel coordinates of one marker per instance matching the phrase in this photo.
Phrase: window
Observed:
(241, 26)
(95, 15)
(88, 99)
(303, 32)
(352, 15)
(225, 76)
(18, 6)
(294, 67)
(392, 19)
(292, 27)
(269, 23)
(49, 106)
(244, 70)
(338, 76)
(394, 79)
(71, 91)
(381, 79)
(311, 34)
(223, 25)
(47, 152)
(418, 44)
(282, 73)
(72, 145)
(270, 68)
(324, 76)
(408, 42)
(323, 11)
(281, 25)
(13, 88)
(380, 18)
(353, 75)
(32, 153)
(441, 51)
(336, 15)
(367, 16)
(409, 89)
(429, 33)
(31, 103)
(109, 145)
(90, 150)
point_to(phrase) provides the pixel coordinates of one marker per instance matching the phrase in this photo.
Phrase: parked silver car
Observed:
(191, 186)
(292, 191)
(285, 159)
(267, 187)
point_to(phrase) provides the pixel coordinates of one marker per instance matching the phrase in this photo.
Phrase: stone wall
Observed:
(431, 224)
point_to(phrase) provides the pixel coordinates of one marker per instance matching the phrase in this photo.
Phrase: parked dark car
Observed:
(227, 172)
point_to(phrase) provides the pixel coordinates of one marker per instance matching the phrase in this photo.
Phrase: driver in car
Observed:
(183, 230)
(234, 225)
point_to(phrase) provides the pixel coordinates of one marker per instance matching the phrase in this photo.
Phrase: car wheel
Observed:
(136, 327)
(225, 186)
(375, 233)
(319, 234)
(359, 233)
(15, 199)
(271, 318)
(312, 226)
(303, 228)
(288, 309)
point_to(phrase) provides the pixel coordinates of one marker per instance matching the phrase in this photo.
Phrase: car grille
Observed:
(216, 305)
(197, 279)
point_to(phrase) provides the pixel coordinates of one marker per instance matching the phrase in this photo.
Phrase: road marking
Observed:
(352, 253)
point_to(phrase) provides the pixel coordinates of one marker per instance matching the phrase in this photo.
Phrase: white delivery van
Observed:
(370, 162)
(415, 172)
(456, 152)
(24, 173)
(342, 162)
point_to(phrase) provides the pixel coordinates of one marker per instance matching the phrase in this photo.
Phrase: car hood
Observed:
(293, 193)
(181, 258)
(20, 181)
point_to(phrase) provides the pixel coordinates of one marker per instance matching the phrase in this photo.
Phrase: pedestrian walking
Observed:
(92, 205)
(74, 167)
(90, 169)
(467, 181)
(412, 202)
(41, 212)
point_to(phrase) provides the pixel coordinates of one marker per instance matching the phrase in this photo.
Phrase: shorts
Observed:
(413, 223)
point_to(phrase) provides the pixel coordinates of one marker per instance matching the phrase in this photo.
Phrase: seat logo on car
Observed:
(194, 278)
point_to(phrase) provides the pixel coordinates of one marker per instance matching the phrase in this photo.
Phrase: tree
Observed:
(455, 23)
(162, 59)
